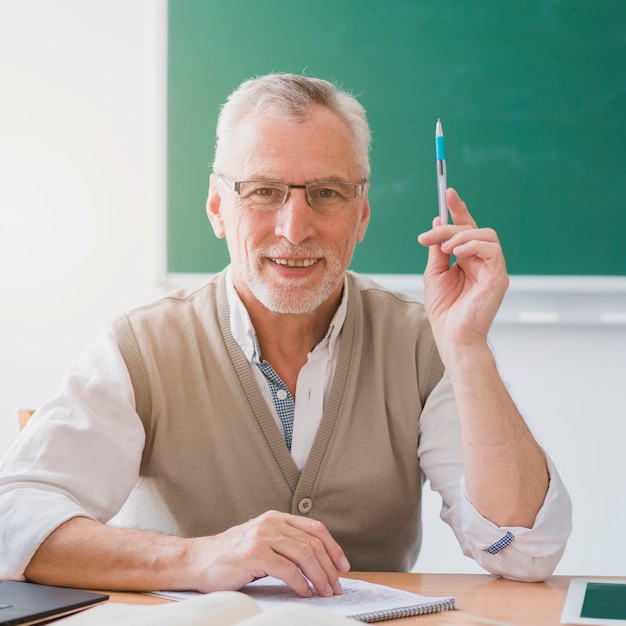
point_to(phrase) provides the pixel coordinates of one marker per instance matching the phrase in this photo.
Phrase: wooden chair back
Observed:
(24, 415)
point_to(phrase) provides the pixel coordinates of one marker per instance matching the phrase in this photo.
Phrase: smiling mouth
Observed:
(295, 262)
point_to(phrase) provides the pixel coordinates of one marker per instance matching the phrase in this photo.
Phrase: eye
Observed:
(265, 191)
(260, 191)
(326, 192)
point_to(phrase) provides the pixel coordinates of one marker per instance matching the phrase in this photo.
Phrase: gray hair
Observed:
(290, 96)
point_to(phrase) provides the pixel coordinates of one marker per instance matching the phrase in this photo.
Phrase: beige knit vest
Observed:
(214, 456)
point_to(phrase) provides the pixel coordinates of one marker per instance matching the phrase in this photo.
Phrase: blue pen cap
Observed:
(441, 149)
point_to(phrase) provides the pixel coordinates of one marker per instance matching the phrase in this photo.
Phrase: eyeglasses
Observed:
(323, 197)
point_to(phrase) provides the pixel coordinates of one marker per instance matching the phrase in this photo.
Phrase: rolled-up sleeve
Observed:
(528, 554)
(79, 455)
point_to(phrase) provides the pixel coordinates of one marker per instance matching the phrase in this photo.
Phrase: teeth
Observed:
(295, 262)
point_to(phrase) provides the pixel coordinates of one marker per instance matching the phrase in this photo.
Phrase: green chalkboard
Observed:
(531, 93)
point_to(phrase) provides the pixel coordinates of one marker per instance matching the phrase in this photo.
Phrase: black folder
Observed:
(29, 603)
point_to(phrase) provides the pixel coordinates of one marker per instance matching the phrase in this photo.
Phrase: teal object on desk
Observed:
(604, 601)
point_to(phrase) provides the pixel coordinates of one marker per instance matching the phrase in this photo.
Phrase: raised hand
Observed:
(462, 298)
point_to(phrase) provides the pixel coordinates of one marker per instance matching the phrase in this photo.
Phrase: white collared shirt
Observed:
(314, 379)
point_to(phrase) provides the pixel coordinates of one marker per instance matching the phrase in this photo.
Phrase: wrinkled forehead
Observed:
(316, 146)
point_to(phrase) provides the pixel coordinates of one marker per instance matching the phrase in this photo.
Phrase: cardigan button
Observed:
(305, 505)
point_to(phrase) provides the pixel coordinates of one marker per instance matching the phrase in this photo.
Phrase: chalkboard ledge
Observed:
(530, 300)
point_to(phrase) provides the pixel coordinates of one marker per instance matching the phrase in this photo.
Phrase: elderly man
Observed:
(279, 419)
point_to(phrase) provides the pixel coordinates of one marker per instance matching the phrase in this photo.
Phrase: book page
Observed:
(297, 615)
(222, 608)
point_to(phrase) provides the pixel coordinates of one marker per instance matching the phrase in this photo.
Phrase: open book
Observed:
(222, 608)
(266, 602)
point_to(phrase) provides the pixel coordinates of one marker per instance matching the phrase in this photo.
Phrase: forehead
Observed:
(294, 150)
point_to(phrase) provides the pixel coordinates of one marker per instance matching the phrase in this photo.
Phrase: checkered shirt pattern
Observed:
(494, 548)
(283, 400)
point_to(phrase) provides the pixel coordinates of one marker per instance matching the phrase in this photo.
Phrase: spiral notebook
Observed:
(361, 600)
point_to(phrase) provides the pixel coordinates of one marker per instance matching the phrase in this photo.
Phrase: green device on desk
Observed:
(595, 602)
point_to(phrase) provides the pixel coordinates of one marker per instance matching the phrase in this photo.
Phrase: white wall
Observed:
(82, 200)
(82, 168)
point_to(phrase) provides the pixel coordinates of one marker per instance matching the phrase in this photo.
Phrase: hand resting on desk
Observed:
(86, 553)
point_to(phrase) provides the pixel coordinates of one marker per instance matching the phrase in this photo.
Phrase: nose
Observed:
(295, 220)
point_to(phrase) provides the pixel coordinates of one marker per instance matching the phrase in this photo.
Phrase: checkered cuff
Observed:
(494, 548)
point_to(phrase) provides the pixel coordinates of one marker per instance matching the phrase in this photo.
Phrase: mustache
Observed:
(305, 250)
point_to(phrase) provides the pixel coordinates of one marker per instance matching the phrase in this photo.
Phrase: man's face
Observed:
(291, 259)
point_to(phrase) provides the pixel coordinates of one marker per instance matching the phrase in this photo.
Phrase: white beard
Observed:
(288, 296)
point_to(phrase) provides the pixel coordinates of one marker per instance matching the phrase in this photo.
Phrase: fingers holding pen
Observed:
(479, 242)
(472, 247)
(476, 249)
(458, 209)
(450, 237)
(459, 212)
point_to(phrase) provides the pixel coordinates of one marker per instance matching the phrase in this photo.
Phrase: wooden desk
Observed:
(519, 604)
(522, 604)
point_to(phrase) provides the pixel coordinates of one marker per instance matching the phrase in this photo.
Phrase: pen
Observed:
(441, 173)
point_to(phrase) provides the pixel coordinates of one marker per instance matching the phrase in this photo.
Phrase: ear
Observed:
(214, 208)
(364, 219)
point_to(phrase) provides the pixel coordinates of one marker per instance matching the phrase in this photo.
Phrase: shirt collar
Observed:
(243, 331)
